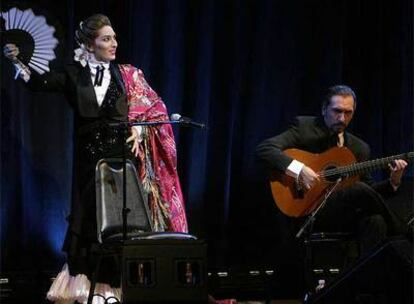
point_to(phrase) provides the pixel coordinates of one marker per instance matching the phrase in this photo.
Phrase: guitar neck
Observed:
(367, 166)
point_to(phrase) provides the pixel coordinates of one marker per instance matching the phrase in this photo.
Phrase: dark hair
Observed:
(341, 90)
(88, 29)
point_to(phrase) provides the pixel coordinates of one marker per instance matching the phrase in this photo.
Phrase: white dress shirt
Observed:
(100, 91)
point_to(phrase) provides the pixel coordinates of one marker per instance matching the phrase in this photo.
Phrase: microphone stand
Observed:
(311, 218)
(308, 226)
(125, 125)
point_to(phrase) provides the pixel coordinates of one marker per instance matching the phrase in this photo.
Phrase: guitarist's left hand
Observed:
(396, 171)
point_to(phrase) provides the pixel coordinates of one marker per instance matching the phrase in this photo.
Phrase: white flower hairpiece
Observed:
(81, 55)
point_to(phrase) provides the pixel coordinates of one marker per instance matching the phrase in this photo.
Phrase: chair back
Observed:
(109, 201)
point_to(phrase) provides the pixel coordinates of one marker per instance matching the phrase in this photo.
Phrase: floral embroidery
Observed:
(157, 153)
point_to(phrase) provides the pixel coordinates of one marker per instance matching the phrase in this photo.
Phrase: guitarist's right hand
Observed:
(308, 178)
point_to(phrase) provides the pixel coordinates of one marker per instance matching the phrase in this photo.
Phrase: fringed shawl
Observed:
(157, 153)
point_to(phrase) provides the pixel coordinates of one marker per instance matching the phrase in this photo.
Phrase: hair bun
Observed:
(88, 29)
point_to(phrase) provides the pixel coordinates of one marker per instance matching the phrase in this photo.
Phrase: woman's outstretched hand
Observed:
(134, 138)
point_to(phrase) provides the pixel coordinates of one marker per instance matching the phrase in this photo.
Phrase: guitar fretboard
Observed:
(366, 166)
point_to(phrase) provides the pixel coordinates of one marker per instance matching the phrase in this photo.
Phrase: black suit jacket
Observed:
(310, 134)
(75, 82)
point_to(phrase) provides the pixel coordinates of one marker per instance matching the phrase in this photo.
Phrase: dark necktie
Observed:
(98, 76)
(334, 140)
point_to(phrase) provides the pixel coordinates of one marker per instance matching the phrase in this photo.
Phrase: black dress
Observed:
(94, 139)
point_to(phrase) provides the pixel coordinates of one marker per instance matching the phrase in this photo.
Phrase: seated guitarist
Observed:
(358, 208)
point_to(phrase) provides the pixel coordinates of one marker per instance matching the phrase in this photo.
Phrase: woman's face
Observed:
(104, 46)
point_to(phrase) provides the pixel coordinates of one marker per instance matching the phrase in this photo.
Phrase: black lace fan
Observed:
(33, 36)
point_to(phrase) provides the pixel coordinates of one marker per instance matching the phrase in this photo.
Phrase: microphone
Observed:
(186, 120)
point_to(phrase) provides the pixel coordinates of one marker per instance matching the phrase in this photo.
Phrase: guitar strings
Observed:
(354, 169)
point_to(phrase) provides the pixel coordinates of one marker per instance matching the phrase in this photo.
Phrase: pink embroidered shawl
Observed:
(157, 153)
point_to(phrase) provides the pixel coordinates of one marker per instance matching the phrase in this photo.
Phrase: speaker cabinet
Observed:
(164, 271)
(385, 275)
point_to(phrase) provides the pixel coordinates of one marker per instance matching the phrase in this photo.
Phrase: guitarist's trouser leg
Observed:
(371, 230)
(371, 203)
(361, 210)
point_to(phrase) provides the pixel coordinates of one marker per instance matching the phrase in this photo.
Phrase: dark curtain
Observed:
(244, 68)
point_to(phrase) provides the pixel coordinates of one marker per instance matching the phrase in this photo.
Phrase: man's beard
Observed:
(338, 127)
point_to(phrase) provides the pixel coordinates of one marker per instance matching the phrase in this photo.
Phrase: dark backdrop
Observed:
(244, 68)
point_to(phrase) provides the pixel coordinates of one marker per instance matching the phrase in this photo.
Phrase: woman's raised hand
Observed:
(11, 51)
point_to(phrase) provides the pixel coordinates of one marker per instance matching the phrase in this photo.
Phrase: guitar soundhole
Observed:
(329, 174)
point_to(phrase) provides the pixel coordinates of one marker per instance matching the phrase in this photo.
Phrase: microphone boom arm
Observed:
(175, 119)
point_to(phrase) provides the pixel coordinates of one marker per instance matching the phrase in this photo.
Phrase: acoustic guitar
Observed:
(331, 165)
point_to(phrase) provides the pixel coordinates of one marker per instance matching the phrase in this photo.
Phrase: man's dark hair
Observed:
(341, 90)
